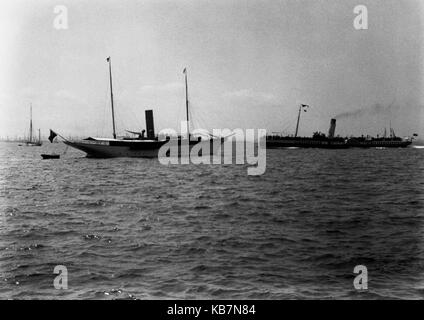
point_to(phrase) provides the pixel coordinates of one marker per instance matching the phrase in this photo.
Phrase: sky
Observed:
(250, 64)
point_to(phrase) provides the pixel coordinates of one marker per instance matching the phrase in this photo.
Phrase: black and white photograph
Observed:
(196, 150)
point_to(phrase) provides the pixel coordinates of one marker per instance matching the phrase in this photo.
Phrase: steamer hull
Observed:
(287, 142)
(330, 141)
(376, 143)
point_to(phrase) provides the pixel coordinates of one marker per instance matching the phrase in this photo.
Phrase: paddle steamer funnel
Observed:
(150, 128)
(332, 129)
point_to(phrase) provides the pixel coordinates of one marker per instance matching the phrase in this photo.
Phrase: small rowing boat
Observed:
(50, 156)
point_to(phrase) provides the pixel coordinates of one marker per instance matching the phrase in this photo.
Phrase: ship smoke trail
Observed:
(376, 109)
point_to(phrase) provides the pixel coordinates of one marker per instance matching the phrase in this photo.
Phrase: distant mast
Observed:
(186, 92)
(111, 96)
(30, 122)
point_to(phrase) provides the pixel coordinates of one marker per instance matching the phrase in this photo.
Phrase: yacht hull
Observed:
(142, 148)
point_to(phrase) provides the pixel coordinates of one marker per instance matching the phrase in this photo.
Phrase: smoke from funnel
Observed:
(374, 110)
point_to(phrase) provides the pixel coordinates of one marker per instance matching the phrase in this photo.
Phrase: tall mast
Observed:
(186, 92)
(298, 119)
(111, 96)
(39, 135)
(30, 123)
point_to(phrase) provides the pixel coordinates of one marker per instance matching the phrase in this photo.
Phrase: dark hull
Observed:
(50, 156)
(33, 144)
(115, 149)
(336, 143)
(379, 144)
(137, 148)
(275, 143)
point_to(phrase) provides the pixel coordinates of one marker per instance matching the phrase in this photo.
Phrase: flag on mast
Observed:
(107, 59)
(305, 106)
(185, 71)
(52, 135)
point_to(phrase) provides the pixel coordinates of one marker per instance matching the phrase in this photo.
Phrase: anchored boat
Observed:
(50, 156)
(141, 145)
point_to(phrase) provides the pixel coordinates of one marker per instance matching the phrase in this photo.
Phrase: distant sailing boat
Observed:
(141, 146)
(31, 142)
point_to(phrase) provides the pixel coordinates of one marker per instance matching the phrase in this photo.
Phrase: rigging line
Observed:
(289, 125)
(200, 118)
(178, 119)
(290, 120)
(106, 108)
(193, 120)
(133, 118)
(195, 117)
(287, 122)
(103, 114)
